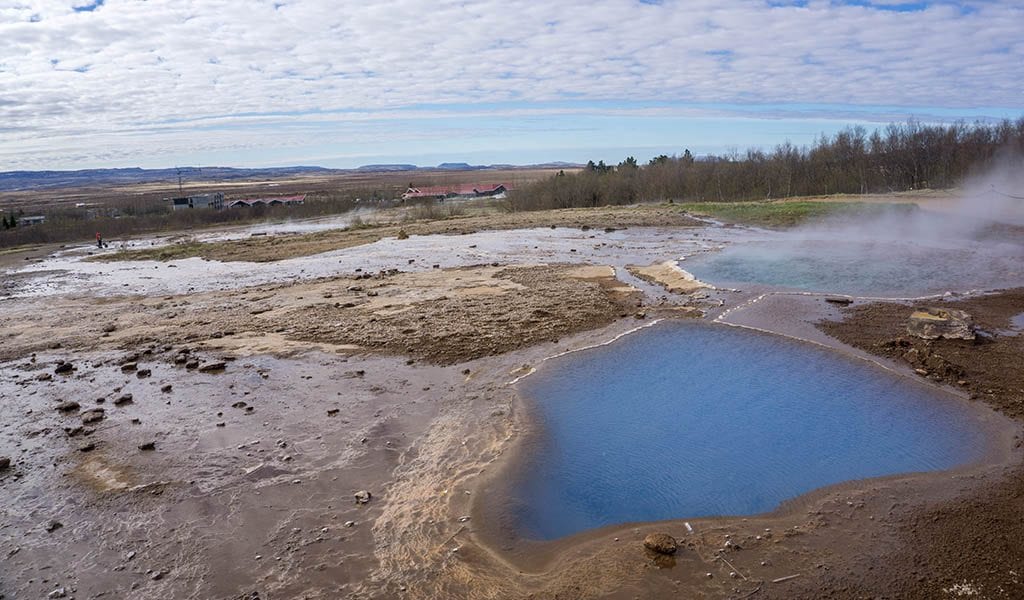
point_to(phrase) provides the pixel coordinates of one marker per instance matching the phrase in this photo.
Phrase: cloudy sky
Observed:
(154, 83)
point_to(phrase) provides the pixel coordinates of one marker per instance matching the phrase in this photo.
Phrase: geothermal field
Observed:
(626, 402)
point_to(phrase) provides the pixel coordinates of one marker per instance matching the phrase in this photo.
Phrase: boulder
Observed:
(362, 497)
(936, 323)
(661, 543)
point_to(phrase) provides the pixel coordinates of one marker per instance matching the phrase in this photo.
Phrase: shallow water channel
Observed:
(688, 420)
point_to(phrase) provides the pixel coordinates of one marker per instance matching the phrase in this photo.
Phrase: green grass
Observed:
(789, 213)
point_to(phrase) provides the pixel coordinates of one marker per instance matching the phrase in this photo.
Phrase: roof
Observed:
(452, 190)
(282, 199)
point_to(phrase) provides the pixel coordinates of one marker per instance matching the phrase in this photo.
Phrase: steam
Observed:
(969, 239)
(987, 208)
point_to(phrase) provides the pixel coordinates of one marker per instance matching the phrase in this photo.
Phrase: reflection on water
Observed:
(688, 420)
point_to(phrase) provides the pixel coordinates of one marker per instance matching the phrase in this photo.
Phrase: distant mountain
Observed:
(387, 168)
(13, 181)
(457, 167)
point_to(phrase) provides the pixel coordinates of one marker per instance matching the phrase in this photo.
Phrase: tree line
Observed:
(898, 157)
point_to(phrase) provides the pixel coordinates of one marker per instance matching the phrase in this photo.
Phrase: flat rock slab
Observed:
(934, 323)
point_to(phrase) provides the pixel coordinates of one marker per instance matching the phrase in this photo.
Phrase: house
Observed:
(214, 201)
(275, 201)
(35, 220)
(455, 191)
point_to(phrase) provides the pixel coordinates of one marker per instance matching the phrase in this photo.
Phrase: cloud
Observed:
(75, 70)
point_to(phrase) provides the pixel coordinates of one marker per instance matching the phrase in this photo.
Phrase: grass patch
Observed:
(780, 214)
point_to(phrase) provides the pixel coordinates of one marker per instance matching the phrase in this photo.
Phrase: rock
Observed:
(192, 364)
(109, 328)
(935, 323)
(58, 593)
(215, 367)
(44, 377)
(131, 366)
(662, 543)
(147, 446)
(5, 463)
(143, 373)
(53, 525)
(402, 235)
(331, 412)
(166, 388)
(362, 497)
(89, 447)
(64, 368)
(68, 406)
(839, 301)
(92, 416)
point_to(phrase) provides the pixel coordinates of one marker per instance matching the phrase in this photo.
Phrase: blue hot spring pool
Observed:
(689, 420)
(884, 269)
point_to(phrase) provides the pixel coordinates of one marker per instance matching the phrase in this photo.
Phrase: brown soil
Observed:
(271, 248)
(443, 316)
(969, 546)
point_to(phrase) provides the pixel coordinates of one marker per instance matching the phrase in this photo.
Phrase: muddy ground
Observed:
(258, 413)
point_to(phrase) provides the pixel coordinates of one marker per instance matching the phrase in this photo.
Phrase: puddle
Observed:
(690, 420)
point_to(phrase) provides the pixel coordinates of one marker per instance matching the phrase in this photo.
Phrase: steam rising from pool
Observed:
(973, 240)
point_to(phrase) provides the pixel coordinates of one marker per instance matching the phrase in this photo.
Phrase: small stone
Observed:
(68, 406)
(92, 416)
(143, 373)
(124, 399)
(166, 388)
(221, 424)
(89, 447)
(5, 463)
(192, 364)
(362, 497)
(147, 446)
(64, 368)
(53, 525)
(157, 576)
(131, 366)
(350, 523)
(332, 412)
(662, 543)
(215, 367)
(109, 328)
(58, 593)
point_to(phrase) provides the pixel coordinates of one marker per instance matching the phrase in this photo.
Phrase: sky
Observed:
(342, 83)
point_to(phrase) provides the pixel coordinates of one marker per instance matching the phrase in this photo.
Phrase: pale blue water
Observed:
(689, 420)
(889, 269)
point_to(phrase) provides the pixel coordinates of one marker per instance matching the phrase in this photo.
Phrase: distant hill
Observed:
(13, 181)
